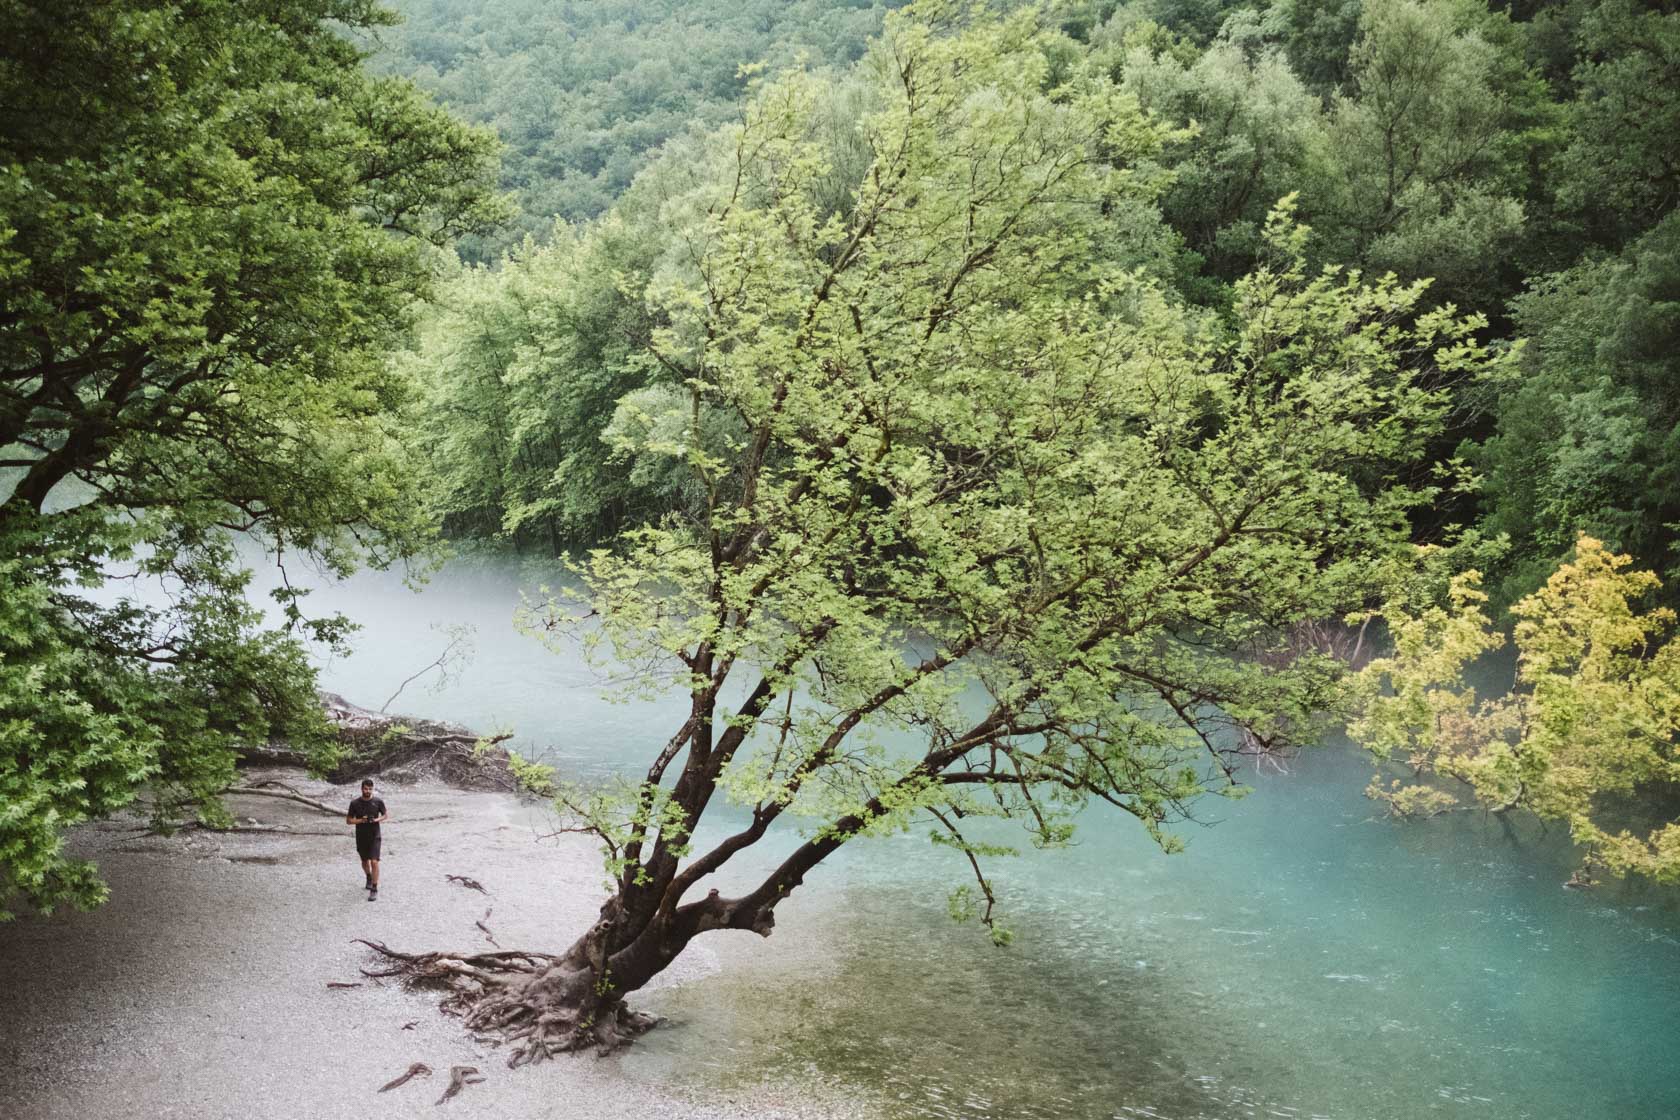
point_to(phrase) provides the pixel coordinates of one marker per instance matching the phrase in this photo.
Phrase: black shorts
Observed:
(368, 846)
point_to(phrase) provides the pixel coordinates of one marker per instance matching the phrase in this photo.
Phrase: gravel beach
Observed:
(200, 989)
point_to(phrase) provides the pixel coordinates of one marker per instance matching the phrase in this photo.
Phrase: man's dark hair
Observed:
(366, 782)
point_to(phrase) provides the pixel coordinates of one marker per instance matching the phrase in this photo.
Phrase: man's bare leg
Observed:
(373, 872)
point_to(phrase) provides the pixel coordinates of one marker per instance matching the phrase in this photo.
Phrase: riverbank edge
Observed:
(202, 988)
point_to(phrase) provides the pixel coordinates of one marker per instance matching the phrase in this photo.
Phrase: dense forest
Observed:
(1521, 159)
(583, 94)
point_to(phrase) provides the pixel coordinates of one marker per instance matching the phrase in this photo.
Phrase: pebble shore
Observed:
(201, 988)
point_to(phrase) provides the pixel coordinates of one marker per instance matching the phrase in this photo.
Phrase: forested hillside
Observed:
(1522, 160)
(583, 93)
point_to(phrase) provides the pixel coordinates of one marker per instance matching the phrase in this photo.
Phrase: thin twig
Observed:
(418, 1069)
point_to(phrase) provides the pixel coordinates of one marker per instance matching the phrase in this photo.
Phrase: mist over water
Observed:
(1301, 959)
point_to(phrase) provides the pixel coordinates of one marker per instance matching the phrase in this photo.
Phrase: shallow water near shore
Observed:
(1301, 959)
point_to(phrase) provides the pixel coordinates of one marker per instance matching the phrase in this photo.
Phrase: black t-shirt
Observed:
(369, 807)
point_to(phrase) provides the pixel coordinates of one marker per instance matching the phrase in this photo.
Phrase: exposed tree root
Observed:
(470, 884)
(520, 998)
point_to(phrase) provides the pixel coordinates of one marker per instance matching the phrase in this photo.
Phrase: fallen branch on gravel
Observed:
(285, 795)
(460, 1076)
(488, 936)
(341, 984)
(152, 832)
(418, 1069)
(470, 884)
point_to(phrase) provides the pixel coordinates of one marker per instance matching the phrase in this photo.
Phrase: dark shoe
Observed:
(373, 893)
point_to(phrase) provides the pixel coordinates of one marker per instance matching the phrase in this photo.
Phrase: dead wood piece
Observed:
(418, 1069)
(342, 984)
(459, 1078)
(470, 884)
(151, 833)
(488, 936)
(411, 1025)
(252, 791)
(265, 783)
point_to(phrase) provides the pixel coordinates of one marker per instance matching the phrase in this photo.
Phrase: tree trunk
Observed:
(544, 1004)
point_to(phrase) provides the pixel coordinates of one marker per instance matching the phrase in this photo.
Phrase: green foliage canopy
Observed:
(990, 525)
(213, 223)
(1588, 440)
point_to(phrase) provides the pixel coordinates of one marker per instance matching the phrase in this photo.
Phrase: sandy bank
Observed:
(200, 989)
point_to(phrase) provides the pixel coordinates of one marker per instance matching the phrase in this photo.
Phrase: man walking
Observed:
(365, 813)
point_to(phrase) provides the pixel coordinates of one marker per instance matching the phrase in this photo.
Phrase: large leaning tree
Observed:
(988, 527)
(213, 224)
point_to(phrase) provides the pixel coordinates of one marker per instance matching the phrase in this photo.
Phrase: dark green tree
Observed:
(1621, 170)
(1588, 441)
(213, 224)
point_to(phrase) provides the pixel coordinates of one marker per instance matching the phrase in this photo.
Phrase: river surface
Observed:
(1301, 959)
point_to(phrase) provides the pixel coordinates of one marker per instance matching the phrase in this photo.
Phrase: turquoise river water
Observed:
(1301, 959)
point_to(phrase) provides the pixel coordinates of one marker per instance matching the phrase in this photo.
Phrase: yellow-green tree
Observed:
(988, 527)
(1592, 720)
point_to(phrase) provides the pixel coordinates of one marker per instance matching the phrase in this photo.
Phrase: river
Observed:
(1301, 959)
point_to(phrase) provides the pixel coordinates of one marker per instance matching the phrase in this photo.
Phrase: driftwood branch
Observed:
(285, 795)
(418, 1069)
(375, 743)
(460, 1077)
(488, 936)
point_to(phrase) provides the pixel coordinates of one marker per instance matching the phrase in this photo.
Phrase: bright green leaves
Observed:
(987, 526)
(1592, 721)
(72, 746)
